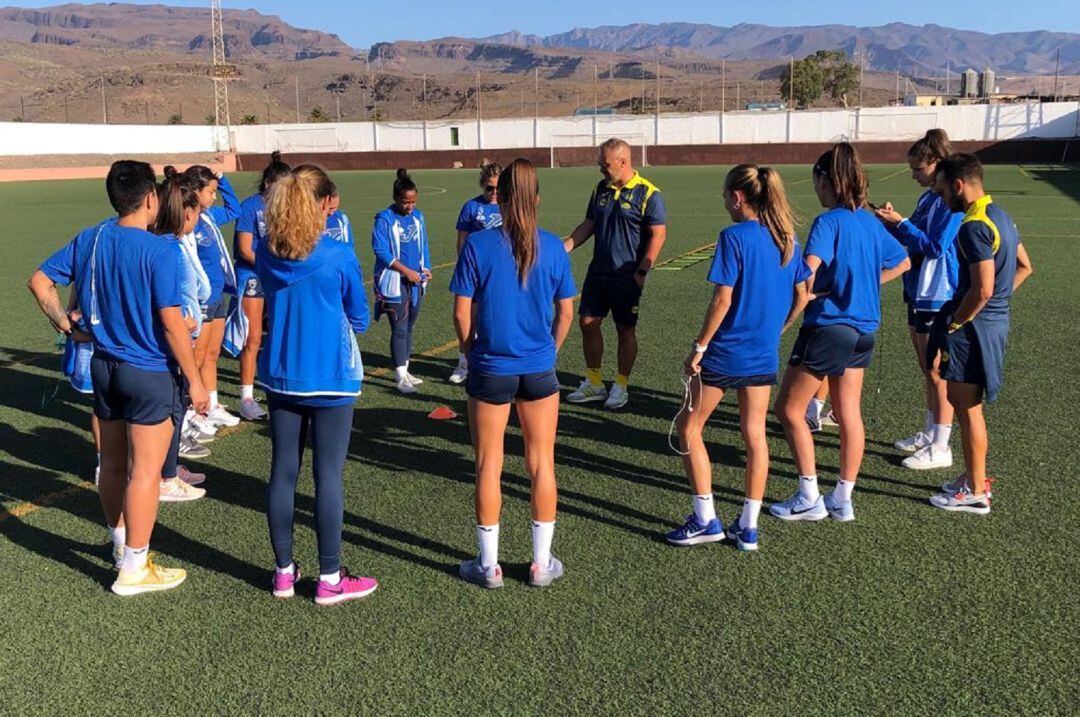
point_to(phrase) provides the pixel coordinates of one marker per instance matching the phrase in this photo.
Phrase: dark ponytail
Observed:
(403, 183)
(175, 194)
(932, 148)
(273, 172)
(519, 193)
(844, 171)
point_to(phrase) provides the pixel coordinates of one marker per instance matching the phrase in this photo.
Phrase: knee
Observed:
(253, 342)
(753, 435)
(590, 325)
(689, 429)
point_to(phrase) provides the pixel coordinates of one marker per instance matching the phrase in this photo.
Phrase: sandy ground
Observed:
(58, 161)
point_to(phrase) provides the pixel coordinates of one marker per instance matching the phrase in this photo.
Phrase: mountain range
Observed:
(151, 63)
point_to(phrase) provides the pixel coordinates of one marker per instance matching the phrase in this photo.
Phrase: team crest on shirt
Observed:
(203, 239)
(488, 221)
(260, 220)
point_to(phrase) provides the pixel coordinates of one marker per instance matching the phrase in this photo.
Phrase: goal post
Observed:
(578, 150)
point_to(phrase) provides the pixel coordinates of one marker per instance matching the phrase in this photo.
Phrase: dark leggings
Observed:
(402, 317)
(330, 428)
(172, 458)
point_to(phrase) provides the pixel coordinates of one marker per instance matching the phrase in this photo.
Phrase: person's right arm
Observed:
(354, 298)
(463, 285)
(178, 336)
(718, 309)
(582, 231)
(57, 269)
(461, 239)
(976, 244)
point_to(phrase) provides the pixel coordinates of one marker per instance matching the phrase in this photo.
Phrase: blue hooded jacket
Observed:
(929, 235)
(314, 308)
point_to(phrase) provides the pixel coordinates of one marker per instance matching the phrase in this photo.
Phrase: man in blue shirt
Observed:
(626, 215)
(972, 328)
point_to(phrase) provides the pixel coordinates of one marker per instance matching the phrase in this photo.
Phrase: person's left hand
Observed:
(640, 280)
(888, 214)
(692, 364)
(426, 274)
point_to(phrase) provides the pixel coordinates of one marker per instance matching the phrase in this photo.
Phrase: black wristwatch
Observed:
(642, 273)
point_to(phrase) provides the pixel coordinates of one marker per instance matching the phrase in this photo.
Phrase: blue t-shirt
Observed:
(339, 228)
(748, 340)
(623, 219)
(513, 322)
(252, 220)
(402, 237)
(854, 248)
(477, 215)
(122, 277)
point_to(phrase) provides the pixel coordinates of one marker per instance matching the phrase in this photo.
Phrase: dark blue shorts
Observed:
(722, 381)
(125, 393)
(831, 350)
(219, 310)
(961, 355)
(921, 321)
(504, 389)
(618, 294)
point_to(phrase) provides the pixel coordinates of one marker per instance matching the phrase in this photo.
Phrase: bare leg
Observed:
(795, 392)
(539, 422)
(215, 332)
(487, 423)
(592, 341)
(253, 310)
(696, 463)
(846, 391)
(147, 446)
(966, 398)
(753, 408)
(113, 476)
(628, 348)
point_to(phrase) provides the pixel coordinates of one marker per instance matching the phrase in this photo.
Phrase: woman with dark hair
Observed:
(250, 231)
(850, 256)
(311, 370)
(507, 285)
(477, 214)
(402, 271)
(218, 266)
(929, 235)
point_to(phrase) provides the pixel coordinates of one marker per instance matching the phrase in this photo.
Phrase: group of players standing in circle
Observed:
(147, 319)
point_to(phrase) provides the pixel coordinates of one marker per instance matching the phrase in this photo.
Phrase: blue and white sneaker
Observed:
(745, 539)
(842, 512)
(693, 533)
(799, 508)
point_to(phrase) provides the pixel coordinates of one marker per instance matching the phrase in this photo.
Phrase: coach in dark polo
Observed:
(626, 215)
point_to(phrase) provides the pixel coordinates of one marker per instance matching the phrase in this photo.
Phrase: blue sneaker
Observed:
(692, 533)
(745, 539)
(798, 508)
(842, 512)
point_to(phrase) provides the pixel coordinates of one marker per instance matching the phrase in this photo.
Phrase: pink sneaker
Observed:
(349, 588)
(284, 584)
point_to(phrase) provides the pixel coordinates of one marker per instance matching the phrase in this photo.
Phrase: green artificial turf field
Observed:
(905, 611)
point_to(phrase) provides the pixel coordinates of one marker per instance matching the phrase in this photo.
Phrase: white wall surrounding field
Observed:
(963, 122)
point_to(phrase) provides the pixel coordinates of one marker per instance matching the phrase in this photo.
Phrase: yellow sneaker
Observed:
(150, 579)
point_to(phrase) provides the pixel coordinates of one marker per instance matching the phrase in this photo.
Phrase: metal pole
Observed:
(22, 108)
(948, 78)
(337, 104)
(658, 91)
(267, 118)
(1057, 75)
(791, 85)
(67, 116)
(536, 93)
(479, 100)
(862, 64)
(296, 79)
(104, 104)
(595, 90)
(723, 85)
(737, 87)
(897, 102)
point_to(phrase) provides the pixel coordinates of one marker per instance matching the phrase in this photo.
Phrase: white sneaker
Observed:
(461, 373)
(929, 458)
(588, 393)
(177, 491)
(189, 477)
(914, 443)
(219, 417)
(405, 387)
(617, 397)
(202, 424)
(413, 379)
(250, 410)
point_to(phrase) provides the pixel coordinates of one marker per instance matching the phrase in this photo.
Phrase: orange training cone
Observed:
(442, 413)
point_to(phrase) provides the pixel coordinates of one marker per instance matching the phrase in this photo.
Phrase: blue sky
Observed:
(363, 22)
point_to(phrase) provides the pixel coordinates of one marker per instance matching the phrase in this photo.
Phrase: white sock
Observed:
(942, 433)
(135, 558)
(813, 411)
(844, 489)
(928, 428)
(750, 511)
(462, 360)
(704, 510)
(487, 538)
(286, 571)
(808, 487)
(213, 400)
(247, 393)
(118, 535)
(542, 533)
(332, 578)
(401, 372)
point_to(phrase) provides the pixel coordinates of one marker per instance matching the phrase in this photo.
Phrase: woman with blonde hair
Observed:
(759, 278)
(311, 371)
(507, 285)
